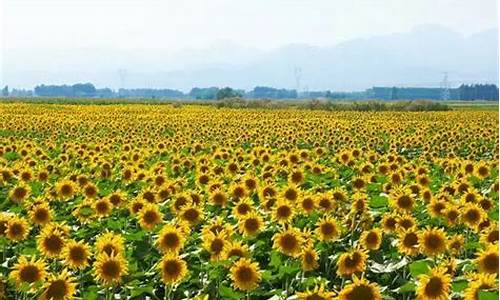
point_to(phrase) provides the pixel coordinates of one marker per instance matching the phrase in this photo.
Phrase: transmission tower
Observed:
(445, 87)
(298, 76)
(122, 74)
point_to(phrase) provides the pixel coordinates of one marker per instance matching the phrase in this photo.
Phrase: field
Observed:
(138, 201)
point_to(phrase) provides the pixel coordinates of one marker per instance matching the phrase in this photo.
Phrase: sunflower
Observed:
(283, 211)
(351, 262)
(360, 289)
(109, 269)
(40, 214)
(136, 205)
(218, 197)
(309, 259)
(172, 268)
(451, 214)
(251, 224)
(76, 254)
(472, 215)
(243, 207)
(389, 222)
(325, 202)
(245, 274)
(435, 286)
(150, 216)
(19, 193)
(490, 235)
(288, 241)
(170, 239)
(59, 287)
(318, 293)
(235, 249)
(433, 241)
(402, 200)
(307, 204)
(110, 243)
(327, 229)
(51, 242)
(487, 260)
(214, 244)
(406, 221)
(28, 271)
(478, 283)
(371, 239)
(291, 193)
(17, 229)
(408, 242)
(117, 198)
(103, 207)
(66, 189)
(90, 190)
(191, 214)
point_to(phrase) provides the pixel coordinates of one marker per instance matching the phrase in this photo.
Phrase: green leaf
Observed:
(228, 293)
(275, 260)
(459, 286)
(378, 202)
(407, 287)
(419, 267)
(487, 295)
(138, 291)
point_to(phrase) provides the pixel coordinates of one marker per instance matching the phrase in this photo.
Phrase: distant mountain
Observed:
(418, 58)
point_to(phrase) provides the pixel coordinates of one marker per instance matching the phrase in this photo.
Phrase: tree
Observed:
(5, 91)
(227, 92)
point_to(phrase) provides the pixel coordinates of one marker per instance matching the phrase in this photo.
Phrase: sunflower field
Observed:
(142, 201)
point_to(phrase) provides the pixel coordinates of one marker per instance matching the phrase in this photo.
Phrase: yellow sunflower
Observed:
(59, 287)
(109, 269)
(172, 268)
(28, 270)
(245, 274)
(351, 262)
(288, 241)
(360, 289)
(435, 286)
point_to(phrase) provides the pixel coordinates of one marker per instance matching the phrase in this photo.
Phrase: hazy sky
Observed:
(34, 31)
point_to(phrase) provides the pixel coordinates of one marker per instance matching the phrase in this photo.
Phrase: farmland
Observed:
(128, 201)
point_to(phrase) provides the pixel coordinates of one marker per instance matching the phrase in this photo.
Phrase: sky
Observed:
(44, 35)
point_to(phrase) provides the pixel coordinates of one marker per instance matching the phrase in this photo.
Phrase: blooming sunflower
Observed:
(288, 241)
(251, 224)
(433, 241)
(59, 287)
(170, 239)
(150, 216)
(327, 229)
(109, 269)
(51, 242)
(76, 254)
(435, 286)
(110, 243)
(172, 268)
(28, 271)
(309, 259)
(245, 274)
(40, 214)
(351, 262)
(371, 239)
(66, 189)
(17, 229)
(283, 211)
(478, 283)
(487, 259)
(360, 289)
(318, 293)
(408, 242)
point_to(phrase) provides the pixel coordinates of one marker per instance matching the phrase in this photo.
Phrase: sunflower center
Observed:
(405, 202)
(291, 194)
(29, 274)
(171, 268)
(150, 217)
(353, 260)
(284, 211)
(491, 262)
(57, 290)
(472, 216)
(191, 214)
(434, 288)
(111, 269)
(433, 242)
(77, 254)
(243, 208)
(16, 229)
(371, 238)
(251, 224)
(41, 215)
(361, 292)
(289, 242)
(410, 240)
(171, 240)
(53, 243)
(244, 274)
(109, 249)
(327, 229)
(216, 246)
(66, 190)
